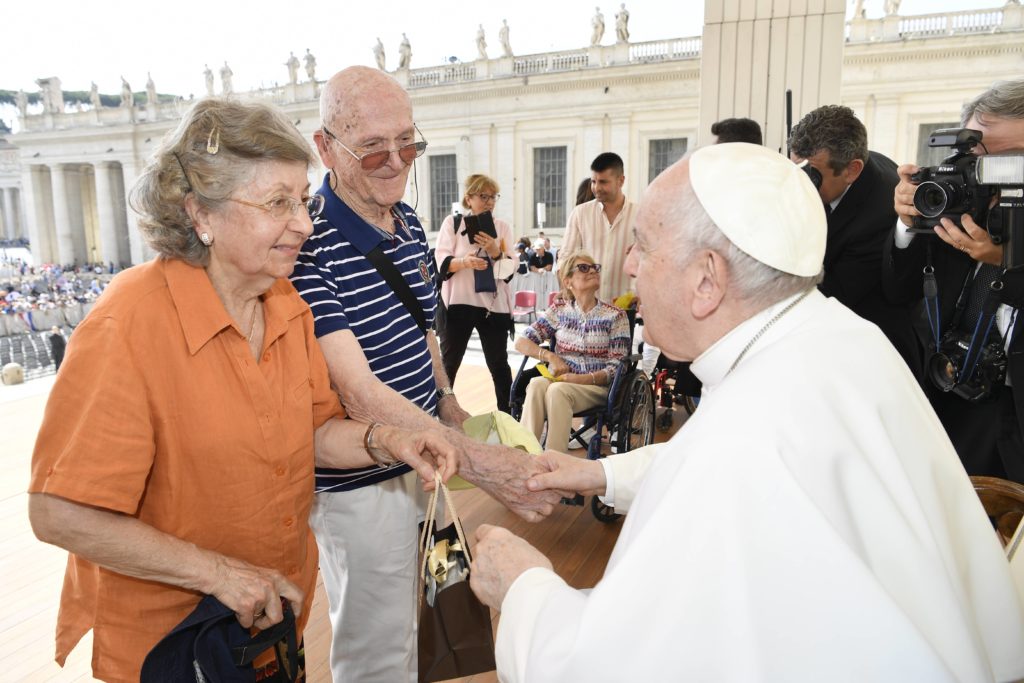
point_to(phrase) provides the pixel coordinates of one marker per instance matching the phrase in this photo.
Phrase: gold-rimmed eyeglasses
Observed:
(286, 207)
(371, 161)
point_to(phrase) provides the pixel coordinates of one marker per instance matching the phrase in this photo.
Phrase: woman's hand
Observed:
(421, 450)
(488, 244)
(556, 365)
(473, 262)
(253, 593)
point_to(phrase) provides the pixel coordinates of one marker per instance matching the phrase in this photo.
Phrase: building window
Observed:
(931, 156)
(549, 176)
(664, 153)
(444, 188)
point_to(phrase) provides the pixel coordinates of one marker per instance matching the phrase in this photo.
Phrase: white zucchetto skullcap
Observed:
(764, 203)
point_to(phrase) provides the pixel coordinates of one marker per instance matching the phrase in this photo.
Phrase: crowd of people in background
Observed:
(49, 287)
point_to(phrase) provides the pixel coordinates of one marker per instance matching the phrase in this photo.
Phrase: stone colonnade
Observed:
(12, 219)
(77, 213)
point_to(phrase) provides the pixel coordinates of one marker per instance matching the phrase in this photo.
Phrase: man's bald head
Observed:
(345, 95)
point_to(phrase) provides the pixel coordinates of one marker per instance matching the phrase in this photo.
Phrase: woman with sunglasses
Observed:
(590, 338)
(475, 288)
(177, 450)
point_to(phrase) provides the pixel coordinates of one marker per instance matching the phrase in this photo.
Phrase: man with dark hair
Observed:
(737, 130)
(988, 435)
(855, 186)
(603, 226)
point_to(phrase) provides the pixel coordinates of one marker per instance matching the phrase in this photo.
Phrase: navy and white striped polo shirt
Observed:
(345, 292)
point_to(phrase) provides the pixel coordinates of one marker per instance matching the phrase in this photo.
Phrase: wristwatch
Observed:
(444, 391)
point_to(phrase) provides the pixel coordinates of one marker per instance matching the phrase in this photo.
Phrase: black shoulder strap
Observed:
(398, 285)
(457, 223)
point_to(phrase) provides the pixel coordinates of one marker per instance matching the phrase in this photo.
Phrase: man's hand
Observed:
(568, 475)
(253, 593)
(502, 472)
(903, 195)
(422, 450)
(451, 413)
(971, 239)
(498, 560)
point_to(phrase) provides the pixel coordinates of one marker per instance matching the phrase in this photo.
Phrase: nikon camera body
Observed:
(989, 188)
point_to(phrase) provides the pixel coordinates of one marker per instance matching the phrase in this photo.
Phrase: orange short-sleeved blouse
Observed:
(161, 412)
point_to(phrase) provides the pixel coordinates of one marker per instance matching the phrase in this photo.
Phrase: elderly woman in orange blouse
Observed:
(176, 454)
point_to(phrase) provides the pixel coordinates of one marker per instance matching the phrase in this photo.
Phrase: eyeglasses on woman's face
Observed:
(287, 207)
(371, 161)
(587, 267)
(488, 198)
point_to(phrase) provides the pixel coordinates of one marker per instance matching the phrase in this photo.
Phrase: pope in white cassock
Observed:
(810, 522)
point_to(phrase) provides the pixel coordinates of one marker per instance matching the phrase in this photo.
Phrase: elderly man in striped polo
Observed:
(368, 279)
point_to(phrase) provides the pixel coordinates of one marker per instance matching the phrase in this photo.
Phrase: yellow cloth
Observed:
(496, 428)
(542, 368)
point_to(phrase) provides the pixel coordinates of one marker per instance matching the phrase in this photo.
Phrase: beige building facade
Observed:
(535, 122)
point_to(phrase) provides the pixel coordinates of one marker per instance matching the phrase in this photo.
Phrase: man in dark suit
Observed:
(855, 189)
(988, 435)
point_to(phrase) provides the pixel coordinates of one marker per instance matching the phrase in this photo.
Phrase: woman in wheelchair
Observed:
(590, 337)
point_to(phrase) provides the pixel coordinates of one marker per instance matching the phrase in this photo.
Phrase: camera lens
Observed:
(932, 198)
(942, 371)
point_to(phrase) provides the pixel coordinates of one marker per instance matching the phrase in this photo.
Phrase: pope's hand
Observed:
(498, 559)
(565, 473)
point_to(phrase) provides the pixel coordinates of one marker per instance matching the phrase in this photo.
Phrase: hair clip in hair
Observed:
(213, 141)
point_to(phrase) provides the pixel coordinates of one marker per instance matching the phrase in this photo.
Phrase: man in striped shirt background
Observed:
(387, 369)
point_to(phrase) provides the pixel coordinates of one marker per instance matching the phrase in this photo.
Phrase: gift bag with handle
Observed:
(455, 635)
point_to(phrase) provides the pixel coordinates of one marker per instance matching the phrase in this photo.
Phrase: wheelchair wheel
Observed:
(636, 417)
(602, 512)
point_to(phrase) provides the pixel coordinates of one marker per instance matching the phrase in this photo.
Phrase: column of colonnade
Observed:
(78, 213)
(12, 227)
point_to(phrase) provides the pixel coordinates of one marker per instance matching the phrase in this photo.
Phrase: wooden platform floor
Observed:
(31, 572)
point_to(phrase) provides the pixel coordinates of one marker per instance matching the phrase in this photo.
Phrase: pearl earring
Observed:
(205, 238)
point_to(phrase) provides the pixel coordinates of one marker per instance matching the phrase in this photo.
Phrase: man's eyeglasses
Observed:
(485, 198)
(371, 161)
(587, 267)
(286, 207)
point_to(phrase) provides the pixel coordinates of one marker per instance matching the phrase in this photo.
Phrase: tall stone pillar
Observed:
(38, 212)
(9, 227)
(754, 50)
(67, 214)
(106, 208)
(138, 249)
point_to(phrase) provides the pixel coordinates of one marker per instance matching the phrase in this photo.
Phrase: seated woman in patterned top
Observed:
(591, 337)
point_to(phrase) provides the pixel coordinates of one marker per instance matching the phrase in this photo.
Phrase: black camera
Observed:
(965, 183)
(946, 367)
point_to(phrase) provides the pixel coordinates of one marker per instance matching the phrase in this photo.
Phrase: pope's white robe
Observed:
(810, 522)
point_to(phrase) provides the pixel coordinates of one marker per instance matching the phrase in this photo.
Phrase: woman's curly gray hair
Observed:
(210, 154)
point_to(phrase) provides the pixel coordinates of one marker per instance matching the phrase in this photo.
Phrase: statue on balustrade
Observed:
(892, 7)
(126, 94)
(506, 46)
(94, 96)
(151, 97)
(622, 24)
(310, 65)
(598, 25)
(225, 79)
(293, 68)
(481, 43)
(378, 54)
(208, 75)
(21, 102)
(404, 53)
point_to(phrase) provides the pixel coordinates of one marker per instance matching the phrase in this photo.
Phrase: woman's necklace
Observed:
(764, 329)
(252, 321)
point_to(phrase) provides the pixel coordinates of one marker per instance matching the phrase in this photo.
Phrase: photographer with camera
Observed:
(968, 282)
(854, 185)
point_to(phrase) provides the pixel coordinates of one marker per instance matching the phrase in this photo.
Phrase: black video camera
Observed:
(965, 183)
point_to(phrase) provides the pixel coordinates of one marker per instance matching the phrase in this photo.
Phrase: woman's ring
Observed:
(259, 615)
